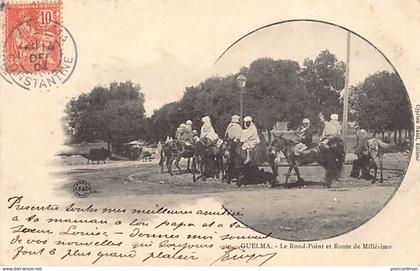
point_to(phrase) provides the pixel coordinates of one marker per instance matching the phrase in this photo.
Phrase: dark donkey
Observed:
(262, 153)
(331, 158)
(208, 158)
(174, 151)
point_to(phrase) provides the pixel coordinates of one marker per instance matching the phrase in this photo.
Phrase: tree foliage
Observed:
(114, 114)
(381, 103)
(276, 90)
(324, 80)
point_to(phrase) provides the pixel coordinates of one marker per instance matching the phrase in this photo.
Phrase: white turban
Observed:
(334, 117)
(247, 118)
(206, 119)
(235, 118)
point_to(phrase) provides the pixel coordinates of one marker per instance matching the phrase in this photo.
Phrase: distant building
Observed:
(280, 126)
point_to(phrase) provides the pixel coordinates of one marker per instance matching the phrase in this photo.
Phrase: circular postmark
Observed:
(81, 189)
(47, 60)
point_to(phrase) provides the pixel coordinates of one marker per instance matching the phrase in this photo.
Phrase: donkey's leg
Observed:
(161, 161)
(193, 168)
(300, 180)
(178, 158)
(169, 161)
(188, 165)
(275, 170)
(291, 166)
(381, 169)
(221, 168)
(375, 168)
(328, 178)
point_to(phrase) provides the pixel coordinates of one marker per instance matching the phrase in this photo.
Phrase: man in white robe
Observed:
(234, 130)
(332, 129)
(207, 130)
(249, 138)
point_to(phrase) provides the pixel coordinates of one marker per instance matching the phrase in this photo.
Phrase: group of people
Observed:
(185, 132)
(248, 135)
(330, 129)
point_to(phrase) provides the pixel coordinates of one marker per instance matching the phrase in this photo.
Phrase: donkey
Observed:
(375, 153)
(208, 157)
(331, 158)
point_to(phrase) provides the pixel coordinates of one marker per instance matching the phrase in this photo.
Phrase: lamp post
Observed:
(346, 90)
(241, 80)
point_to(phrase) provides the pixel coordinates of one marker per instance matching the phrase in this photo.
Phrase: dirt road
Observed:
(309, 213)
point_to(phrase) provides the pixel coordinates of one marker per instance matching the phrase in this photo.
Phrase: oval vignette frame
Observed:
(405, 92)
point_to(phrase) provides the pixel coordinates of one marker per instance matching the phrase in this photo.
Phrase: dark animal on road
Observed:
(208, 158)
(331, 158)
(174, 151)
(97, 155)
(235, 157)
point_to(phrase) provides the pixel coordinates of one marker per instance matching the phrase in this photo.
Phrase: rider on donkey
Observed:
(249, 138)
(304, 134)
(233, 136)
(332, 129)
(234, 129)
(186, 133)
(179, 130)
(208, 133)
(207, 130)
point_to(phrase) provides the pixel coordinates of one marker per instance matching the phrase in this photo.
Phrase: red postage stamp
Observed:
(33, 38)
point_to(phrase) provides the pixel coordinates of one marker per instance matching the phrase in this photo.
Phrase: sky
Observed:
(294, 40)
(165, 56)
(300, 40)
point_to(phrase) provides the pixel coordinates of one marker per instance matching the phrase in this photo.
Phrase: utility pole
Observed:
(346, 90)
(241, 81)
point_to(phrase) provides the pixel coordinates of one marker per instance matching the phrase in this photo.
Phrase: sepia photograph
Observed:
(301, 123)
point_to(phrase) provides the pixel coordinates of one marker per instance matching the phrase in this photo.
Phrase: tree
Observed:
(114, 114)
(276, 90)
(324, 80)
(381, 103)
(164, 122)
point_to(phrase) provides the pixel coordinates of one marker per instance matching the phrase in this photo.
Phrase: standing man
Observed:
(249, 138)
(361, 163)
(321, 123)
(234, 130)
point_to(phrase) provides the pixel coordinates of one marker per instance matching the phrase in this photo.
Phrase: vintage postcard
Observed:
(209, 133)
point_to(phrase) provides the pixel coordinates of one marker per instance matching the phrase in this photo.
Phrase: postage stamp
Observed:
(33, 37)
(37, 51)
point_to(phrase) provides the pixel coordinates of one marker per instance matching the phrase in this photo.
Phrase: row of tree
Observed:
(380, 103)
(276, 90)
